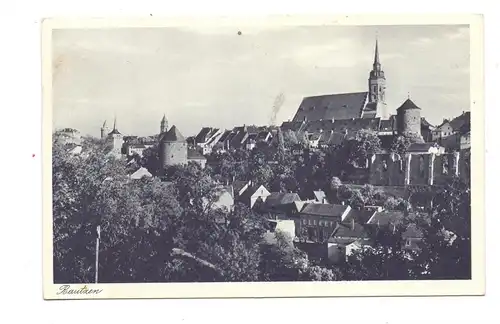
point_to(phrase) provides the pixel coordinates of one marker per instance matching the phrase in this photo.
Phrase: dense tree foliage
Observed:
(158, 231)
(152, 231)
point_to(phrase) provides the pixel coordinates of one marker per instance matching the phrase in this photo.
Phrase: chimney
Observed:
(352, 224)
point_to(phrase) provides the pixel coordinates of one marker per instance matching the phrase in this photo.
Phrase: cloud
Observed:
(422, 41)
(461, 33)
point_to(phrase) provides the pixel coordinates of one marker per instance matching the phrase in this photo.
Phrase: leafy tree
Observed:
(365, 142)
(446, 247)
(151, 159)
(281, 261)
(400, 144)
(385, 259)
(335, 183)
(78, 184)
(290, 138)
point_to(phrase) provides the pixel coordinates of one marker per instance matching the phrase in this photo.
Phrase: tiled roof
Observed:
(354, 125)
(459, 121)
(324, 210)
(252, 137)
(319, 125)
(238, 139)
(173, 135)
(348, 231)
(262, 135)
(224, 136)
(238, 185)
(202, 135)
(359, 216)
(279, 198)
(248, 193)
(386, 218)
(408, 104)
(425, 123)
(334, 106)
(319, 195)
(292, 125)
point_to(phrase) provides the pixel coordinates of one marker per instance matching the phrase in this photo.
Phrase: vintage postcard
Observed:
(286, 156)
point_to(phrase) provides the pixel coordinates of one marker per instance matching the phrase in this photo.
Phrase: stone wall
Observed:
(172, 153)
(387, 170)
(415, 169)
(409, 121)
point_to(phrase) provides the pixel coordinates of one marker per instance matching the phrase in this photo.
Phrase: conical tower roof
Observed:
(376, 59)
(173, 135)
(115, 130)
(408, 104)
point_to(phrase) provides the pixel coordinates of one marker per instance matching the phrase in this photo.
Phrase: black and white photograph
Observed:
(285, 153)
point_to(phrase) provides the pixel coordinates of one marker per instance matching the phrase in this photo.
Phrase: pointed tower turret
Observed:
(163, 125)
(116, 138)
(376, 60)
(104, 130)
(376, 88)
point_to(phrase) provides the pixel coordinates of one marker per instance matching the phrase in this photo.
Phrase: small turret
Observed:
(104, 130)
(163, 125)
(116, 138)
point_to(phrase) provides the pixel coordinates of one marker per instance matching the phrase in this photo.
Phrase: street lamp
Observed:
(97, 253)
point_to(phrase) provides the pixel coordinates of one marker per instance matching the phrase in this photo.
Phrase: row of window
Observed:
(320, 222)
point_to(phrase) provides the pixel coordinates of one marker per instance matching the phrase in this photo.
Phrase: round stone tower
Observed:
(409, 119)
(173, 148)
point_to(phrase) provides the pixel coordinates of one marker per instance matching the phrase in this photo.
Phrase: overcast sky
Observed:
(219, 78)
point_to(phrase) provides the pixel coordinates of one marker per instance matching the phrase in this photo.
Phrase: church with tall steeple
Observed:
(353, 105)
(376, 86)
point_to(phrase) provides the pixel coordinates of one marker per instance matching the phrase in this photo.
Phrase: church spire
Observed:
(163, 125)
(376, 60)
(376, 88)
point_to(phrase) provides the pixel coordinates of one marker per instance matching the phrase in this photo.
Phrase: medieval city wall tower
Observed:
(173, 148)
(409, 119)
